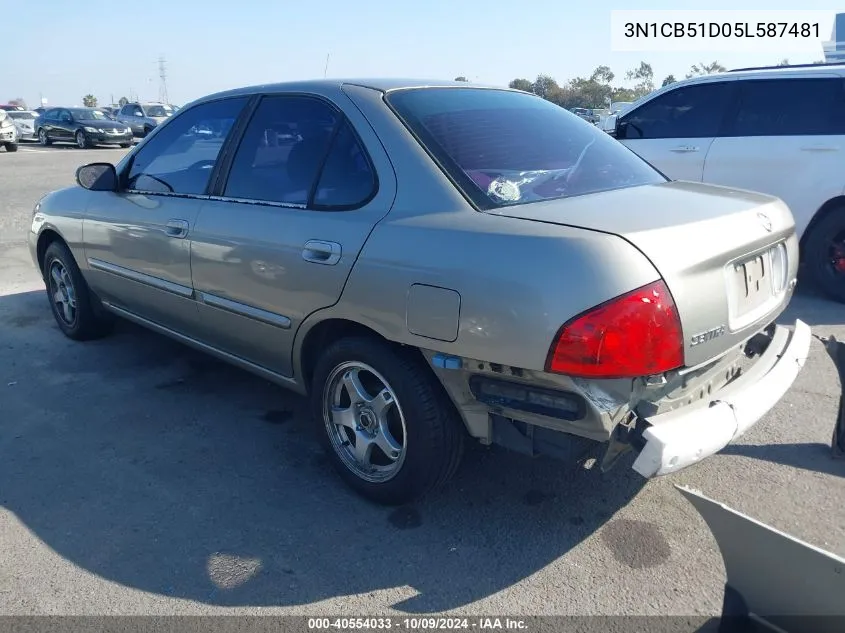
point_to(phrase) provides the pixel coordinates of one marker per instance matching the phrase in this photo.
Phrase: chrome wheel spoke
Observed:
(363, 449)
(344, 417)
(381, 403)
(68, 312)
(356, 391)
(387, 443)
(56, 274)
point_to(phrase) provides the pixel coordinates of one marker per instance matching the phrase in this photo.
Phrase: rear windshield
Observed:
(502, 147)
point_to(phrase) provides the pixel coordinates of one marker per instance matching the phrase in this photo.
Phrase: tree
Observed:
(669, 80)
(521, 84)
(89, 101)
(602, 75)
(545, 86)
(18, 101)
(644, 76)
(705, 69)
(122, 101)
(461, 78)
(783, 62)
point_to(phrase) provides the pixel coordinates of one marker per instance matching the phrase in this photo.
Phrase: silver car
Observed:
(433, 263)
(143, 117)
(8, 132)
(24, 121)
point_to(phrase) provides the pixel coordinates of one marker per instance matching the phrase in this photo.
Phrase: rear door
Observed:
(787, 139)
(280, 239)
(674, 131)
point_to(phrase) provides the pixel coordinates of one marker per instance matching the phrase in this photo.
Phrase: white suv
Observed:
(776, 130)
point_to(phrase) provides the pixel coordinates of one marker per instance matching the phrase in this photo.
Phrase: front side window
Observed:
(505, 147)
(694, 111)
(282, 150)
(790, 107)
(180, 158)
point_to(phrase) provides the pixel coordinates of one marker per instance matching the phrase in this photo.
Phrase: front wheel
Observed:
(11, 147)
(42, 137)
(388, 427)
(824, 252)
(82, 140)
(73, 305)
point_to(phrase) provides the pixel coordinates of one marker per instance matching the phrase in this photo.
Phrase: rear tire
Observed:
(42, 138)
(824, 254)
(77, 311)
(11, 147)
(424, 434)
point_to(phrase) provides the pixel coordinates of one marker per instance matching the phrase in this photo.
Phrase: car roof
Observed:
(380, 84)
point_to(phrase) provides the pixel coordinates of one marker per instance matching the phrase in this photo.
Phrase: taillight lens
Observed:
(636, 334)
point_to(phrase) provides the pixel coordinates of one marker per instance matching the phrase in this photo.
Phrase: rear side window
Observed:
(790, 107)
(300, 151)
(693, 111)
(502, 147)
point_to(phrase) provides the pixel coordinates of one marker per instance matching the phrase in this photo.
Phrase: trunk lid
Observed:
(727, 255)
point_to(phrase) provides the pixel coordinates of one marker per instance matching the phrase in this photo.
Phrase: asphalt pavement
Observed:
(138, 476)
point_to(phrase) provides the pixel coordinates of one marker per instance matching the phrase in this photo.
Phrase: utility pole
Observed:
(326, 69)
(162, 74)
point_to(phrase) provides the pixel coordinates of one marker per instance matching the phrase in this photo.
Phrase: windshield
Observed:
(21, 115)
(89, 115)
(158, 110)
(505, 147)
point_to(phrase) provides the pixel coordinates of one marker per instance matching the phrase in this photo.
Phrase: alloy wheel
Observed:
(364, 421)
(63, 293)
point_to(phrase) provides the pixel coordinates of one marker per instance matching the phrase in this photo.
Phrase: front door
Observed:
(300, 200)
(674, 131)
(138, 240)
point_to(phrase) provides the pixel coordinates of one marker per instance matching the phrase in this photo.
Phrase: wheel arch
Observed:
(320, 334)
(828, 207)
(47, 236)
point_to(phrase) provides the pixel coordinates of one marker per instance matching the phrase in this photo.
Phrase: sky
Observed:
(61, 50)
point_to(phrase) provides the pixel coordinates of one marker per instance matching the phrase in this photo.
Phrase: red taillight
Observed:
(636, 334)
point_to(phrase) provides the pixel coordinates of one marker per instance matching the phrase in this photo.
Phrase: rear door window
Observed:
(505, 147)
(695, 111)
(790, 107)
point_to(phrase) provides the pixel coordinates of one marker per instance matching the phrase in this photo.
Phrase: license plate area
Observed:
(750, 287)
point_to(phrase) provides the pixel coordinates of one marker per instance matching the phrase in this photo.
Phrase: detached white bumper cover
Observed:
(678, 439)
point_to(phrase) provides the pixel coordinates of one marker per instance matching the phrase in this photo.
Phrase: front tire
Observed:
(824, 253)
(11, 147)
(125, 145)
(82, 140)
(74, 307)
(389, 429)
(42, 138)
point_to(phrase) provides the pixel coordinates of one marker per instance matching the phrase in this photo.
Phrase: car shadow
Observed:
(161, 469)
(812, 307)
(814, 456)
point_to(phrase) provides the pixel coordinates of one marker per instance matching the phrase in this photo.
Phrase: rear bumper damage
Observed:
(677, 439)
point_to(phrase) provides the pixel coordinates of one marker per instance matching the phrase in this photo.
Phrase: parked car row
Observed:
(84, 127)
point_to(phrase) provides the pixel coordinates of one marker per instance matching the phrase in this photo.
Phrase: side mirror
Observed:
(97, 177)
(621, 129)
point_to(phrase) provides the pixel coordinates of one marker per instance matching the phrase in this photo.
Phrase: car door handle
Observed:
(320, 252)
(684, 148)
(176, 228)
(820, 148)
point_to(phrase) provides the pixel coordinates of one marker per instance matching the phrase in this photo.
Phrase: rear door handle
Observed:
(684, 149)
(176, 228)
(321, 252)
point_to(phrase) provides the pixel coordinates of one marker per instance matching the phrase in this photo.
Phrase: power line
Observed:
(162, 86)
